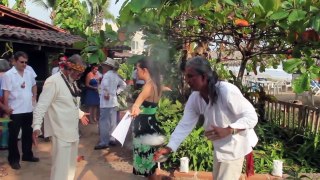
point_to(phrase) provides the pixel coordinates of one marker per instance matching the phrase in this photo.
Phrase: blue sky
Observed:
(42, 14)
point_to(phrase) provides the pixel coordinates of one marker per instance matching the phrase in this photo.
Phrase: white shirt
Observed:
(55, 70)
(135, 77)
(111, 84)
(20, 87)
(63, 113)
(29, 68)
(231, 109)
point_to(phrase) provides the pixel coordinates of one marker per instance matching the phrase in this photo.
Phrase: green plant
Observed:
(125, 70)
(299, 152)
(96, 44)
(195, 146)
(307, 68)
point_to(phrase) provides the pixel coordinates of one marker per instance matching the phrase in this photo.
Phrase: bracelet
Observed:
(234, 131)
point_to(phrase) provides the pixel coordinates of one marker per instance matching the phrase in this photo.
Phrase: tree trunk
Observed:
(242, 69)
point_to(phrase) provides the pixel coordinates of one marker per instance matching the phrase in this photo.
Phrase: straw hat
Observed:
(110, 62)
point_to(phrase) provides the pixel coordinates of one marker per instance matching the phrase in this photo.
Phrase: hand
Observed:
(34, 99)
(162, 151)
(8, 110)
(35, 135)
(84, 120)
(106, 97)
(135, 111)
(217, 133)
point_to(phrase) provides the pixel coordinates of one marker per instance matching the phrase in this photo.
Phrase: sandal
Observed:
(2, 168)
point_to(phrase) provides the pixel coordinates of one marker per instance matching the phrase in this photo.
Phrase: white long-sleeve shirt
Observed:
(231, 109)
(111, 84)
(63, 113)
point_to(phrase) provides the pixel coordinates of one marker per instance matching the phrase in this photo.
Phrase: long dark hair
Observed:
(153, 69)
(203, 67)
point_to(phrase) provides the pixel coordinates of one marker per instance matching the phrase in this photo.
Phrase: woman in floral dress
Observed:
(146, 132)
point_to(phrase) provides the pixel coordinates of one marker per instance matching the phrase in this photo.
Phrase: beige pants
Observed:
(64, 159)
(230, 170)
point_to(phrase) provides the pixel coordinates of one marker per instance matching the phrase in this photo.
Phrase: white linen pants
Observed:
(229, 170)
(64, 159)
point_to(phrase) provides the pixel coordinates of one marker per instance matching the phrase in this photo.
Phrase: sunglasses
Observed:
(23, 62)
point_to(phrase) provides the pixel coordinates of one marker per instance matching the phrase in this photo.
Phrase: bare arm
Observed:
(5, 108)
(88, 78)
(34, 93)
(145, 93)
(6, 94)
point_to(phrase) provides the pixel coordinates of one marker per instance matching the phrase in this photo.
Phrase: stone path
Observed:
(113, 163)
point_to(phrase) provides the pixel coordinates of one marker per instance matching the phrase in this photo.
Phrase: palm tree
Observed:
(98, 10)
(49, 5)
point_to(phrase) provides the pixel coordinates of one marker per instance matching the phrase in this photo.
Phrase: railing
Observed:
(293, 116)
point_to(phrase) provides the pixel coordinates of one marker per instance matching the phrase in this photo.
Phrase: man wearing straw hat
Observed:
(111, 86)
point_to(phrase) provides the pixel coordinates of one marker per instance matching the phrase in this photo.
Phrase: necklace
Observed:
(148, 80)
(75, 91)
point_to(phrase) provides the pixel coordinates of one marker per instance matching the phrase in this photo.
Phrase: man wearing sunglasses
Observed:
(19, 91)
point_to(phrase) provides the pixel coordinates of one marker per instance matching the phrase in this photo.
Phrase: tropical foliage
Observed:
(20, 5)
(298, 150)
(264, 32)
(4, 2)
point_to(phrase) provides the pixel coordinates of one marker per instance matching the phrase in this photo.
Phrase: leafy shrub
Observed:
(125, 70)
(195, 146)
(300, 153)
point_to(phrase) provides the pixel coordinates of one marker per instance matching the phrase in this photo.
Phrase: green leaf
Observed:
(314, 9)
(297, 15)
(316, 23)
(287, 5)
(197, 3)
(290, 66)
(301, 83)
(153, 4)
(192, 22)
(137, 5)
(279, 15)
(230, 2)
(93, 58)
(91, 48)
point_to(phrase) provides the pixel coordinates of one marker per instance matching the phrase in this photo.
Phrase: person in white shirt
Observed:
(137, 83)
(62, 59)
(60, 100)
(19, 93)
(111, 86)
(229, 120)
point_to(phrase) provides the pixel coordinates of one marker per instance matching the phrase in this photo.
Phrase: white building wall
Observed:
(137, 43)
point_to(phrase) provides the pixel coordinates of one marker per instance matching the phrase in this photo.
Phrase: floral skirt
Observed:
(147, 135)
(143, 163)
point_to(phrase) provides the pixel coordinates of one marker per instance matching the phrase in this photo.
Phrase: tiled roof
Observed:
(8, 13)
(45, 37)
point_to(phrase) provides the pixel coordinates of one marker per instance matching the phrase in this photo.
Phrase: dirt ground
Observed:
(112, 163)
